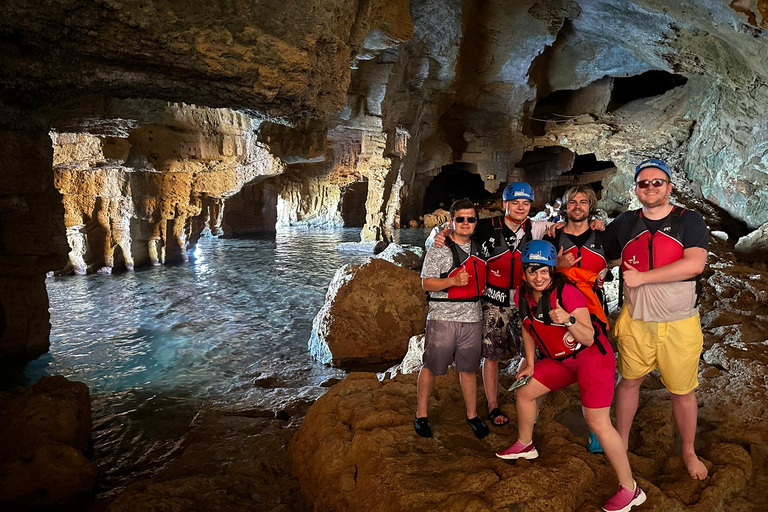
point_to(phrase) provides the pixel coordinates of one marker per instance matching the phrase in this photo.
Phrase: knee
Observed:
(630, 384)
(599, 424)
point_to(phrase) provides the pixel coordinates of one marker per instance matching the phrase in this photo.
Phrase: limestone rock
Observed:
(370, 312)
(436, 218)
(410, 257)
(754, 246)
(412, 362)
(44, 432)
(356, 450)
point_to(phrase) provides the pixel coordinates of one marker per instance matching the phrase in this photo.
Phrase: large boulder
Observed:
(356, 450)
(754, 246)
(370, 313)
(43, 434)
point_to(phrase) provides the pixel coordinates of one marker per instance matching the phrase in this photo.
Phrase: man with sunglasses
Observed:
(662, 249)
(453, 276)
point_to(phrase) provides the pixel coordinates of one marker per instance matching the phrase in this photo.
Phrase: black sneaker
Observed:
(421, 426)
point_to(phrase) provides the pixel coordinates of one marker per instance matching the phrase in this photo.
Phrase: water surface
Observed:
(155, 344)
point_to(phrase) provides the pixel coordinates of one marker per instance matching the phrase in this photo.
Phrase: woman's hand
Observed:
(526, 369)
(559, 315)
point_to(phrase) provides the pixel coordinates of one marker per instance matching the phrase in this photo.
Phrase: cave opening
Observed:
(645, 85)
(455, 181)
(353, 198)
(552, 170)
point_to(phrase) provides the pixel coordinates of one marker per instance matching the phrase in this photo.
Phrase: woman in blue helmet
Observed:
(574, 350)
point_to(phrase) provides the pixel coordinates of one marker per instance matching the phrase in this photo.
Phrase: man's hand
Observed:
(597, 225)
(559, 315)
(462, 278)
(632, 277)
(554, 227)
(439, 240)
(567, 259)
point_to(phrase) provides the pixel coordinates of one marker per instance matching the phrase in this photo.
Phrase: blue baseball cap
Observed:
(653, 162)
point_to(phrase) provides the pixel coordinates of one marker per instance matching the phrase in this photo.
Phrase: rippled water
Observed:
(154, 344)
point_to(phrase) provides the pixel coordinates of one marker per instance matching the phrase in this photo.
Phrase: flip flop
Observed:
(496, 413)
(478, 427)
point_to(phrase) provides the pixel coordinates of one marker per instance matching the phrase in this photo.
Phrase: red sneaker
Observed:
(518, 451)
(625, 499)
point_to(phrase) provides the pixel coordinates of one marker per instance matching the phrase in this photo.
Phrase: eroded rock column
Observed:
(32, 240)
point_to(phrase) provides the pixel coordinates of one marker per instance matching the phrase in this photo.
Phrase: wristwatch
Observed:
(570, 321)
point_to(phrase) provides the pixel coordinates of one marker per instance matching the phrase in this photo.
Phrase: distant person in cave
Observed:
(662, 250)
(574, 349)
(453, 275)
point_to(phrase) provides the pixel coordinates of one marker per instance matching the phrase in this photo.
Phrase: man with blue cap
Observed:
(662, 250)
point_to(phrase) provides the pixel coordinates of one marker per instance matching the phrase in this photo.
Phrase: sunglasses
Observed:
(460, 220)
(657, 183)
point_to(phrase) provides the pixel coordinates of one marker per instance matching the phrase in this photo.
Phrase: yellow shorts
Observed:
(674, 347)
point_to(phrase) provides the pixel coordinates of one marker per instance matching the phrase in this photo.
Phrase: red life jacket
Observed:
(591, 253)
(645, 251)
(554, 340)
(504, 268)
(475, 267)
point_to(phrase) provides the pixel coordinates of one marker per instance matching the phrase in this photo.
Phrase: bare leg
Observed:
(599, 422)
(627, 397)
(491, 382)
(686, 410)
(527, 409)
(423, 390)
(468, 381)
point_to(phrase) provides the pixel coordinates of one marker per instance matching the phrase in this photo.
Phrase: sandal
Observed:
(478, 427)
(496, 413)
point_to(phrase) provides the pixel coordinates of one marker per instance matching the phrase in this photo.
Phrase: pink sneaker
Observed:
(518, 451)
(625, 499)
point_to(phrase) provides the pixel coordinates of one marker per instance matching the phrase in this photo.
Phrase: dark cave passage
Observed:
(454, 182)
(353, 198)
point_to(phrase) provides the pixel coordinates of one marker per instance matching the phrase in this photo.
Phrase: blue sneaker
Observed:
(593, 446)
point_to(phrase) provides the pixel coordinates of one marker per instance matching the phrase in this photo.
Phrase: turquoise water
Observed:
(155, 344)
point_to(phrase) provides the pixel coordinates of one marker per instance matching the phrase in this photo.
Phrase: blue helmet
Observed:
(518, 190)
(653, 162)
(539, 252)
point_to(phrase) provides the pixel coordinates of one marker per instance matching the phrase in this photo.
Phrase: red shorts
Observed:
(594, 371)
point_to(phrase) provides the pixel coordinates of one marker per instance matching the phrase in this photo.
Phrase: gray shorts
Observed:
(459, 341)
(502, 331)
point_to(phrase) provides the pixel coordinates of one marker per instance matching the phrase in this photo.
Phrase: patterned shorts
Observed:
(502, 331)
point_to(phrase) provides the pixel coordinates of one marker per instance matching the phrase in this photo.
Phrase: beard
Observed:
(577, 215)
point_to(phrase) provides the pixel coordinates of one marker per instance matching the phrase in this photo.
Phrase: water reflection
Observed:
(154, 344)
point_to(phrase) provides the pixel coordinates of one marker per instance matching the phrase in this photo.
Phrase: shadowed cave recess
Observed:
(181, 181)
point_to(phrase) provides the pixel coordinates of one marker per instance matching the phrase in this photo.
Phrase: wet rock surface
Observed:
(44, 433)
(234, 458)
(370, 313)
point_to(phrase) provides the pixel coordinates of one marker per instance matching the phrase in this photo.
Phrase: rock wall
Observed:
(135, 200)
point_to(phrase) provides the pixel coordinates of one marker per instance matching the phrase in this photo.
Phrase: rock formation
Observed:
(370, 313)
(45, 431)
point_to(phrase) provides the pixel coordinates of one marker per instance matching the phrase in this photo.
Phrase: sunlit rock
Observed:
(370, 313)
(44, 432)
(754, 246)
(409, 257)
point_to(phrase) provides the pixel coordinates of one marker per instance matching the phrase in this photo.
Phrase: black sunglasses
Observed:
(657, 183)
(471, 220)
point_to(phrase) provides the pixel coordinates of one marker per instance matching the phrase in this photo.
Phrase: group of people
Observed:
(508, 282)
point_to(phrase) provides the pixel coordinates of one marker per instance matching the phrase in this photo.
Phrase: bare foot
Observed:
(696, 468)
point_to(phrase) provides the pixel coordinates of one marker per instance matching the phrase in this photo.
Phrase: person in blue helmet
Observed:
(500, 239)
(574, 349)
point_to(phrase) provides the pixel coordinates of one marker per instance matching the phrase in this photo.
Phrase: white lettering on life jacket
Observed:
(495, 294)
